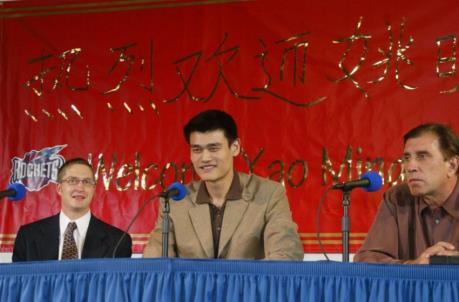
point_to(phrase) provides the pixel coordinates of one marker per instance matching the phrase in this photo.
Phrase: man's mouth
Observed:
(414, 180)
(78, 197)
(207, 168)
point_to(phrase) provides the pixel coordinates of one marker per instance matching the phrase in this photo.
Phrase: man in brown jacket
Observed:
(227, 214)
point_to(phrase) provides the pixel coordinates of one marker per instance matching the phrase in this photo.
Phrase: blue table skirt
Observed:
(224, 280)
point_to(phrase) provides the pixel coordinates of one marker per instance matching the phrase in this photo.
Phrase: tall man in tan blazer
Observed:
(227, 214)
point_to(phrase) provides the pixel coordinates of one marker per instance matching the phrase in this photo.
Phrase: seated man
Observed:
(419, 218)
(227, 214)
(74, 233)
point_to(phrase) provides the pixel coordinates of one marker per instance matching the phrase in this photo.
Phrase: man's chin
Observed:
(206, 176)
(416, 191)
(80, 207)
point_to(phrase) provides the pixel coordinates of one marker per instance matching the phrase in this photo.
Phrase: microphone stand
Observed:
(345, 224)
(166, 211)
(177, 192)
(132, 222)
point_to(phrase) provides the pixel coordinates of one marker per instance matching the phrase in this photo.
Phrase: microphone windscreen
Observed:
(181, 189)
(20, 191)
(375, 181)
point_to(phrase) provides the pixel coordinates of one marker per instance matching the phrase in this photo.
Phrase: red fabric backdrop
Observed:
(321, 92)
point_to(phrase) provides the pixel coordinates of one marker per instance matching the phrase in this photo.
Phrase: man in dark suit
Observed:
(74, 233)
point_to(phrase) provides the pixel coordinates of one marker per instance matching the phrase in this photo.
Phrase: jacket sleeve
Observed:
(153, 249)
(281, 240)
(125, 248)
(381, 244)
(20, 246)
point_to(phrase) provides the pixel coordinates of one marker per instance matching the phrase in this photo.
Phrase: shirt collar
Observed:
(451, 205)
(82, 223)
(234, 192)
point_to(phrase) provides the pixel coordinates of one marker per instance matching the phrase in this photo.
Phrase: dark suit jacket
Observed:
(39, 240)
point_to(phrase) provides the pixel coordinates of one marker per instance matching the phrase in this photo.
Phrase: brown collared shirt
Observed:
(405, 226)
(216, 214)
(439, 223)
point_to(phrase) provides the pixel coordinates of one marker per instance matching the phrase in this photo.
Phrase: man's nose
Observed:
(410, 165)
(80, 185)
(205, 155)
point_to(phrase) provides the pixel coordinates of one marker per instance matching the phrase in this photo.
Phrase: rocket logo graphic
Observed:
(37, 168)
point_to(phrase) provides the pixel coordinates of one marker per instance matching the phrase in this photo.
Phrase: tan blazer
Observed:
(255, 227)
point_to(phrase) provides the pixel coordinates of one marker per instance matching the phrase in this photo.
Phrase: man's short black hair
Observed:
(212, 120)
(449, 142)
(71, 162)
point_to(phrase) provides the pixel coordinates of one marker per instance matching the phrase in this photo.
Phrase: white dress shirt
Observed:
(79, 234)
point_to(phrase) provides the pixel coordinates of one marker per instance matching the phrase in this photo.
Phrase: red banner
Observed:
(321, 92)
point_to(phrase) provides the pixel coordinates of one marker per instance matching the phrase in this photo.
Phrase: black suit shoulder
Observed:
(37, 226)
(102, 238)
(38, 240)
(106, 227)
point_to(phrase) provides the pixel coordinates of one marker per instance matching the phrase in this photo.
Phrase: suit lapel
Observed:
(95, 243)
(48, 244)
(200, 219)
(234, 211)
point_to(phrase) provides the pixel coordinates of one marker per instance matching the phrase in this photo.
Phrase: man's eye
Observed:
(421, 156)
(73, 181)
(196, 150)
(214, 149)
(88, 182)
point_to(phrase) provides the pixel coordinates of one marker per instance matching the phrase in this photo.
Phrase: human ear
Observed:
(453, 164)
(236, 147)
(59, 189)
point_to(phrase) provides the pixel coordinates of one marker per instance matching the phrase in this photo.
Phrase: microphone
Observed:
(176, 191)
(14, 192)
(370, 181)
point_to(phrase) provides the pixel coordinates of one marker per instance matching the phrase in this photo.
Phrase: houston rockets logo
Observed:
(37, 168)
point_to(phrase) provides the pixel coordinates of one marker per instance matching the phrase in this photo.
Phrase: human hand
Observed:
(441, 248)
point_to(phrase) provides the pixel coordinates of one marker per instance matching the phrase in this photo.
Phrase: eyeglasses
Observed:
(74, 181)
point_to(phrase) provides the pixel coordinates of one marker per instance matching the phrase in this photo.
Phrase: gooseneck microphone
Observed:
(370, 181)
(176, 191)
(14, 192)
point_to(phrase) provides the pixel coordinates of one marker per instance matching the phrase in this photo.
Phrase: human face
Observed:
(428, 173)
(212, 156)
(75, 199)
